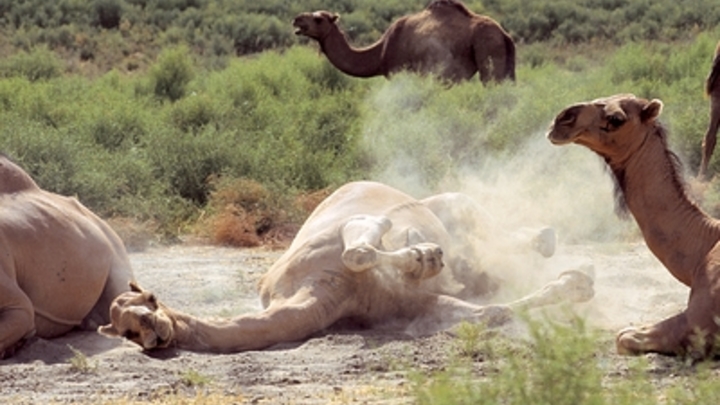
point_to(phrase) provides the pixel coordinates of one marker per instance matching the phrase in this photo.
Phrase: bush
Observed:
(38, 64)
(172, 73)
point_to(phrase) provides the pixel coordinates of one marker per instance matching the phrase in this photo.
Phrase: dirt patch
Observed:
(341, 366)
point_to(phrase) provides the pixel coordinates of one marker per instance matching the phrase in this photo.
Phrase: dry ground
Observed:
(339, 366)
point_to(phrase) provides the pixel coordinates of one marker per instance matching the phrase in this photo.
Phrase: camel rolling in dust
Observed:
(369, 254)
(624, 131)
(445, 39)
(712, 89)
(60, 265)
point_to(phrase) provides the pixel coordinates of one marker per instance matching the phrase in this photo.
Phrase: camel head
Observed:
(614, 126)
(316, 25)
(137, 316)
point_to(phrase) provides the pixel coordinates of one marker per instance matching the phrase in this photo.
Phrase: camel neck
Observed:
(358, 62)
(218, 336)
(675, 229)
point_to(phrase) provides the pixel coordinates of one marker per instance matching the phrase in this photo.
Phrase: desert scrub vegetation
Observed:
(154, 146)
(99, 35)
(560, 363)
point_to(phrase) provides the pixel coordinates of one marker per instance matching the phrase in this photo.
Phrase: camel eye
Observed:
(130, 335)
(318, 20)
(616, 122)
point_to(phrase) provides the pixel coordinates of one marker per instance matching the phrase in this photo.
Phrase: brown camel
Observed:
(60, 265)
(445, 39)
(624, 131)
(368, 253)
(712, 89)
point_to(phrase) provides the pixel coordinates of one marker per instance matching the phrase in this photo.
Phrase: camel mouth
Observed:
(300, 27)
(557, 139)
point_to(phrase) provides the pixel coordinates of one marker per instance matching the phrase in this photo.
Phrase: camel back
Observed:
(450, 3)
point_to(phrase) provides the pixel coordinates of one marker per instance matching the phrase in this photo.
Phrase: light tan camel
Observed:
(60, 265)
(368, 253)
(625, 132)
(712, 89)
(445, 39)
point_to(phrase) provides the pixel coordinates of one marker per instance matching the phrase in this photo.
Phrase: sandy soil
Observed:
(340, 366)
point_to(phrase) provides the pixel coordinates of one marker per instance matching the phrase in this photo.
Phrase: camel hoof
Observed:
(579, 283)
(359, 258)
(545, 242)
(627, 342)
(428, 261)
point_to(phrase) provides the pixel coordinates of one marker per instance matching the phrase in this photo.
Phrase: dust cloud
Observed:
(537, 185)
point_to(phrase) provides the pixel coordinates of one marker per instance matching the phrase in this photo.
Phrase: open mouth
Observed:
(300, 28)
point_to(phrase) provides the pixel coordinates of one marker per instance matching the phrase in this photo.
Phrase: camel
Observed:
(446, 39)
(712, 89)
(625, 132)
(369, 255)
(60, 265)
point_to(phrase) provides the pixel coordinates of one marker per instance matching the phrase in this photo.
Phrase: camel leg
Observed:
(571, 286)
(446, 311)
(361, 237)
(692, 332)
(17, 321)
(463, 217)
(440, 312)
(710, 139)
(666, 337)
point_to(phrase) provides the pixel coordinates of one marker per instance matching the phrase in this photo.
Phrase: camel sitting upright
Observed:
(712, 89)
(60, 265)
(445, 39)
(624, 131)
(368, 253)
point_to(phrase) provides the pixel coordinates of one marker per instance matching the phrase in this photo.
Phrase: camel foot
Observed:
(360, 258)
(631, 342)
(421, 261)
(544, 242)
(578, 284)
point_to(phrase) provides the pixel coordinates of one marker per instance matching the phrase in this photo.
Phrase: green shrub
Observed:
(172, 73)
(38, 64)
(558, 364)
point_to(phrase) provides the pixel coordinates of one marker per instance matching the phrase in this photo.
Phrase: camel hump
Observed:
(442, 5)
(13, 179)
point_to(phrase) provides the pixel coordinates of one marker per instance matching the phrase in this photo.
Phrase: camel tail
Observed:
(510, 57)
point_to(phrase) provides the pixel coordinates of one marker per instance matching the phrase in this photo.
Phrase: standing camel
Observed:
(445, 39)
(712, 89)
(624, 131)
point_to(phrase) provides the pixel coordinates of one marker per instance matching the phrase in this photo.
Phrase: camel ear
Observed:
(334, 18)
(108, 330)
(651, 111)
(134, 287)
(151, 300)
